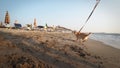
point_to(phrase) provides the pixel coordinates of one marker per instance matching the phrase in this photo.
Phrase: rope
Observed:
(97, 2)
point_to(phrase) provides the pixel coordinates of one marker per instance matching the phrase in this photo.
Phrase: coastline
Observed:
(107, 38)
(109, 54)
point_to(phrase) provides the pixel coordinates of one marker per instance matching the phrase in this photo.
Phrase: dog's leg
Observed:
(77, 39)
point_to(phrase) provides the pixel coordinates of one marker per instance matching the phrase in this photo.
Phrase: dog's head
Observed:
(75, 32)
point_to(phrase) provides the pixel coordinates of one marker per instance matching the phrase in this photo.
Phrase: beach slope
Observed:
(35, 49)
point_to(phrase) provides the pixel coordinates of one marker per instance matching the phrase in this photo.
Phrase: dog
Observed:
(81, 36)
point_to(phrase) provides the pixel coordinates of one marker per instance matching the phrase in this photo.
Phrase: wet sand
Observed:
(35, 49)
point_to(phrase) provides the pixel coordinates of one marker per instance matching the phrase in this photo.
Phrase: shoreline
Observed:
(109, 54)
(106, 44)
(99, 45)
(110, 39)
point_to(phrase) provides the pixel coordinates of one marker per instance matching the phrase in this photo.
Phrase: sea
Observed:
(110, 39)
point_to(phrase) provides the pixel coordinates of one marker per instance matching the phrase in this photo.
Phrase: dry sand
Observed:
(35, 49)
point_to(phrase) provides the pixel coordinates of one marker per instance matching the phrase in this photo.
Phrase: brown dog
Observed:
(81, 36)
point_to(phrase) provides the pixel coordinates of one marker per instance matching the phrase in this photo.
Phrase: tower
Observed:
(1, 24)
(7, 18)
(35, 24)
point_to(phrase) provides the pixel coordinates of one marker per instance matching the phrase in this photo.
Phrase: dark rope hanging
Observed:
(97, 2)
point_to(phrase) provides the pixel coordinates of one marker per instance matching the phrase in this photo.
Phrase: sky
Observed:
(71, 14)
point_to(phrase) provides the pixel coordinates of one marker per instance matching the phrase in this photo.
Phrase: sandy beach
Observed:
(36, 49)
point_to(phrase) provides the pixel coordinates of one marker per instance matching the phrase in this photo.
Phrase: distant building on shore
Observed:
(35, 23)
(17, 25)
(1, 24)
(7, 18)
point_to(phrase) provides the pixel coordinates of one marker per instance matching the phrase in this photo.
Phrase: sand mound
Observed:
(35, 49)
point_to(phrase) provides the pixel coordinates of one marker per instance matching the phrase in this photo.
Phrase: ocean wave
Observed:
(107, 38)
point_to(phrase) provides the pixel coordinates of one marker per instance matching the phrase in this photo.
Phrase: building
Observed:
(35, 23)
(7, 18)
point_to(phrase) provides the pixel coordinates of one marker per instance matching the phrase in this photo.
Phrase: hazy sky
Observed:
(68, 13)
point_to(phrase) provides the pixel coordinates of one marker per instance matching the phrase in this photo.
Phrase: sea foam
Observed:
(107, 38)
